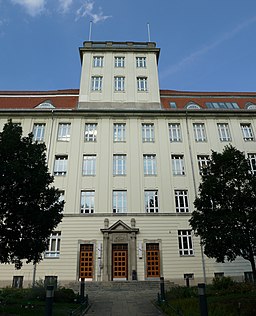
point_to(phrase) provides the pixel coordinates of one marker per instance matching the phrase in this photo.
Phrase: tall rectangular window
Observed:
(64, 131)
(149, 162)
(119, 165)
(199, 132)
(175, 132)
(151, 201)
(203, 161)
(148, 133)
(142, 84)
(87, 202)
(119, 201)
(185, 243)
(247, 132)
(98, 61)
(17, 281)
(38, 131)
(178, 168)
(96, 83)
(181, 201)
(89, 165)
(60, 165)
(90, 134)
(119, 83)
(119, 62)
(53, 245)
(119, 132)
(141, 62)
(224, 133)
(252, 161)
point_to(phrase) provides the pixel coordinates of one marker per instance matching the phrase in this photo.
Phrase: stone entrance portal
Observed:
(119, 250)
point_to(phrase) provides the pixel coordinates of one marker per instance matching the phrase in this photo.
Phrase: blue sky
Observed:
(206, 45)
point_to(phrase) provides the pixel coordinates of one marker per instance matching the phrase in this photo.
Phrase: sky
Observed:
(206, 45)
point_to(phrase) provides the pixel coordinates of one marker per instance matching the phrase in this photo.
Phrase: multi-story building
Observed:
(127, 158)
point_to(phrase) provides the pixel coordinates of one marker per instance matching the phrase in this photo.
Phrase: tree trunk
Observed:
(252, 261)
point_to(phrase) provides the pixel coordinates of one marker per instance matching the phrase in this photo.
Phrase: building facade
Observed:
(127, 158)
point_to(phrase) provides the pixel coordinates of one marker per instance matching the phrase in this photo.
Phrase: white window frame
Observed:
(96, 83)
(149, 163)
(64, 132)
(175, 132)
(148, 132)
(119, 83)
(119, 165)
(119, 201)
(142, 84)
(247, 132)
(199, 132)
(119, 62)
(178, 168)
(151, 201)
(181, 201)
(90, 134)
(252, 161)
(97, 61)
(224, 132)
(53, 245)
(87, 204)
(185, 242)
(89, 165)
(38, 132)
(141, 62)
(203, 162)
(119, 132)
(60, 165)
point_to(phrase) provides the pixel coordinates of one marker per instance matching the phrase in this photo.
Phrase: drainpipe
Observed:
(195, 189)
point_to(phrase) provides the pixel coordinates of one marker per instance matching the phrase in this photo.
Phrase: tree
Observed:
(29, 207)
(225, 214)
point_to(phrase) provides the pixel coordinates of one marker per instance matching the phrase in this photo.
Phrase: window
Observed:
(60, 165)
(51, 280)
(119, 83)
(119, 132)
(119, 202)
(173, 105)
(199, 132)
(149, 162)
(252, 161)
(141, 62)
(89, 165)
(90, 132)
(218, 275)
(151, 201)
(119, 165)
(181, 201)
(98, 61)
(148, 133)
(178, 165)
(64, 131)
(87, 202)
(193, 106)
(175, 132)
(142, 84)
(119, 62)
(224, 133)
(203, 162)
(248, 276)
(222, 105)
(17, 282)
(185, 243)
(53, 245)
(96, 83)
(247, 132)
(38, 132)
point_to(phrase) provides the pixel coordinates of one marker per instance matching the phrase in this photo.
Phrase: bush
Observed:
(222, 283)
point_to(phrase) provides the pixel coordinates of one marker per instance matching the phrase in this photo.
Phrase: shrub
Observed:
(222, 283)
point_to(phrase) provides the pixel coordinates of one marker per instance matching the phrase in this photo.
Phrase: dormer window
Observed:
(192, 106)
(250, 106)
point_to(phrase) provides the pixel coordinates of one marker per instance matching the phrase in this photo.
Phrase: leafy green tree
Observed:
(29, 206)
(225, 214)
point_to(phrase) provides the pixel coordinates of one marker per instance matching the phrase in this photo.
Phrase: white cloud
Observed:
(86, 10)
(65, 5)
(33, 7)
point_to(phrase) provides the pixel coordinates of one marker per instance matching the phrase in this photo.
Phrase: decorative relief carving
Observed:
(119, 237)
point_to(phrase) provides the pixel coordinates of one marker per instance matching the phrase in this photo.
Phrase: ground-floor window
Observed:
(17, 281)
(51, 280)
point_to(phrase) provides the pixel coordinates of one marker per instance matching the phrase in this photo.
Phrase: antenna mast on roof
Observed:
(148, 33)
(90, 31)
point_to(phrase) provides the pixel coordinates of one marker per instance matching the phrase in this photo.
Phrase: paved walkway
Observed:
(122, 303)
